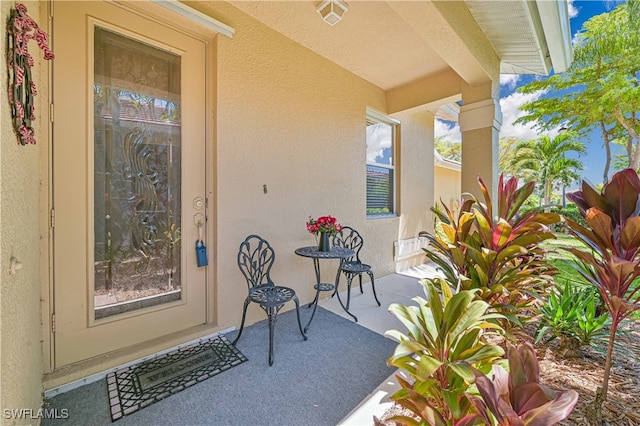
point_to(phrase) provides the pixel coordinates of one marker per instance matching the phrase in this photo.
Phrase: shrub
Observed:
(569, 212)
(571, 315)
(612, 235)
(517, 397)
(495, 252)
(443, 343)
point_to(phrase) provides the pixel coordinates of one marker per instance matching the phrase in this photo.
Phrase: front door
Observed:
(128, 179)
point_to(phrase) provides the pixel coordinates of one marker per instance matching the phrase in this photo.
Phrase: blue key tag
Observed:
(201, 253)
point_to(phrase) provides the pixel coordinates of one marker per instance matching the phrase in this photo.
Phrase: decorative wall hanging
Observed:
(22, 89)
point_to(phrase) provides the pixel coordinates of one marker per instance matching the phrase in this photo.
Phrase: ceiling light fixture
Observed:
(332, 11)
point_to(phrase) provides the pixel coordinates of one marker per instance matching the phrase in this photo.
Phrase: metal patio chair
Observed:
(350, 238)
(255, 259)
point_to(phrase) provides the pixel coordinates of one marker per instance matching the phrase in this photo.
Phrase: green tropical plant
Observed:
(443, 344)
(496, 252)
(448, 149)
(546, 161)
(612, 263)
(572, 212)
(518, 398)
(571, 315)
(600, 89)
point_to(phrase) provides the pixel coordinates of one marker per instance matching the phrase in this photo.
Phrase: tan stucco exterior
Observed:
(20, 237)
(447, 182)
(293, 121)
(285, 118)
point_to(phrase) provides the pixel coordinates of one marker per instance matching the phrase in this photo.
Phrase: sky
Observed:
(510, 101)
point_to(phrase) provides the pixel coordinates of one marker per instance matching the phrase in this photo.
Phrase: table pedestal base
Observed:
(320, 286)
(312, 252)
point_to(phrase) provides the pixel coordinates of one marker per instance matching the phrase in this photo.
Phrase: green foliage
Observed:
(496, 253)
(601, 89)
(374, 211)
(571, 212)
(544, 161)
(518, 397)
(571, 312)
(505, 156)
(442, 347)
(448, 149)
(612, 235)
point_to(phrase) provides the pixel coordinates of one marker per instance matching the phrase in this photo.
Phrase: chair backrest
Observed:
(349, 238)
(255, 259)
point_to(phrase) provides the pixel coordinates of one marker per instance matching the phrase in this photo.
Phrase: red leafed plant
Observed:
(495, 247)
(517, 398)
(613, 236)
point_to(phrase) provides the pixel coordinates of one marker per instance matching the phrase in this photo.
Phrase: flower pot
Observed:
(324, 243)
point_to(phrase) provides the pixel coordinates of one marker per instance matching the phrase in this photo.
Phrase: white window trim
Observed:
(394, 123)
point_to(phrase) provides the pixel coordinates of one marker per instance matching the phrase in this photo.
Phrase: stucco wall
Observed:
(294, 121)
(21, 353)
(447, 186)
(417, 184)
(286, 118)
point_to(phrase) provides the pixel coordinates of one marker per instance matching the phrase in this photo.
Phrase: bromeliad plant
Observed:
(517, 398)
(571, 315)
(612, 234)
(496, 251)
(443, 345)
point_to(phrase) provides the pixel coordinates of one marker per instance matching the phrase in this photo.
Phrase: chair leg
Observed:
(244, 316)
(349, 279)
(373, 287)
(360, 278)
(295, 299)
(271, 315)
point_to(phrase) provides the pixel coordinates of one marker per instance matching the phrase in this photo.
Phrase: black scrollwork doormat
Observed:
(140, 385)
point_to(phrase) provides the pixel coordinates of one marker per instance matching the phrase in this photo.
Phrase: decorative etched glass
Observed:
(137, 170)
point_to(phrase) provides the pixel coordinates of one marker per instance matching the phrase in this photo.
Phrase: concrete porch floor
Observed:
(393, 288)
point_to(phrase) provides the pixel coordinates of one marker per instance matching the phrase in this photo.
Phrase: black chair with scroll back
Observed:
(350, 238)
(255, 259)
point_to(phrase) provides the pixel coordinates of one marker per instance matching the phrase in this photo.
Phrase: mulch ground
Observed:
(584, 375)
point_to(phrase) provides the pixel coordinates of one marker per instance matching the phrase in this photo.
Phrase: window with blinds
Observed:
(381, 135)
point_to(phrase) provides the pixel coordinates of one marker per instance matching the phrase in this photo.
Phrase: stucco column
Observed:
(480, 121)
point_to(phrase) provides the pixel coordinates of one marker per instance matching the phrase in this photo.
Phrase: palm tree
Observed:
(544, 161)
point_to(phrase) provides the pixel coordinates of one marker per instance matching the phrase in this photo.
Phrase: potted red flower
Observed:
(322, 228)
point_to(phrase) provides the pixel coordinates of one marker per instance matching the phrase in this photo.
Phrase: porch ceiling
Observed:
(391, 43)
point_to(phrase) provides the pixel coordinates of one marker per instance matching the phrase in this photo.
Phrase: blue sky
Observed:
(593, 161)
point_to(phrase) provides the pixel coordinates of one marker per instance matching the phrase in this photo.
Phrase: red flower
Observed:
(327, 224)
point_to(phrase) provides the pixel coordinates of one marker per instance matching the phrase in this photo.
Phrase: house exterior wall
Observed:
(417, 186)
(294, 121)
(448, 186)
(20, 236)
(286, 118)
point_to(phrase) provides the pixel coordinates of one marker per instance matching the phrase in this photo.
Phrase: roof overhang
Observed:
(446, 163)
(530, 37)
(395, 43)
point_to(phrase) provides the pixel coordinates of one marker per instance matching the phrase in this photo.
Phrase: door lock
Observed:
(198, 203)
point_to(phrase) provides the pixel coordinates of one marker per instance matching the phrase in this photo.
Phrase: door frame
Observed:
(156, 13)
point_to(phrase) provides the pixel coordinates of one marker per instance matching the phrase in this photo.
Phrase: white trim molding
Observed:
(554, 16)
(196, 16)
(480, 115)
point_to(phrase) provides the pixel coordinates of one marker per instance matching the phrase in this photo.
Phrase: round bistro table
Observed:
(312, 252)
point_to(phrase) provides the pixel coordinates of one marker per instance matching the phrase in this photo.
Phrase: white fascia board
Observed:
(197, 16)
(539, 34)
(446, 163)
(554, 16)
